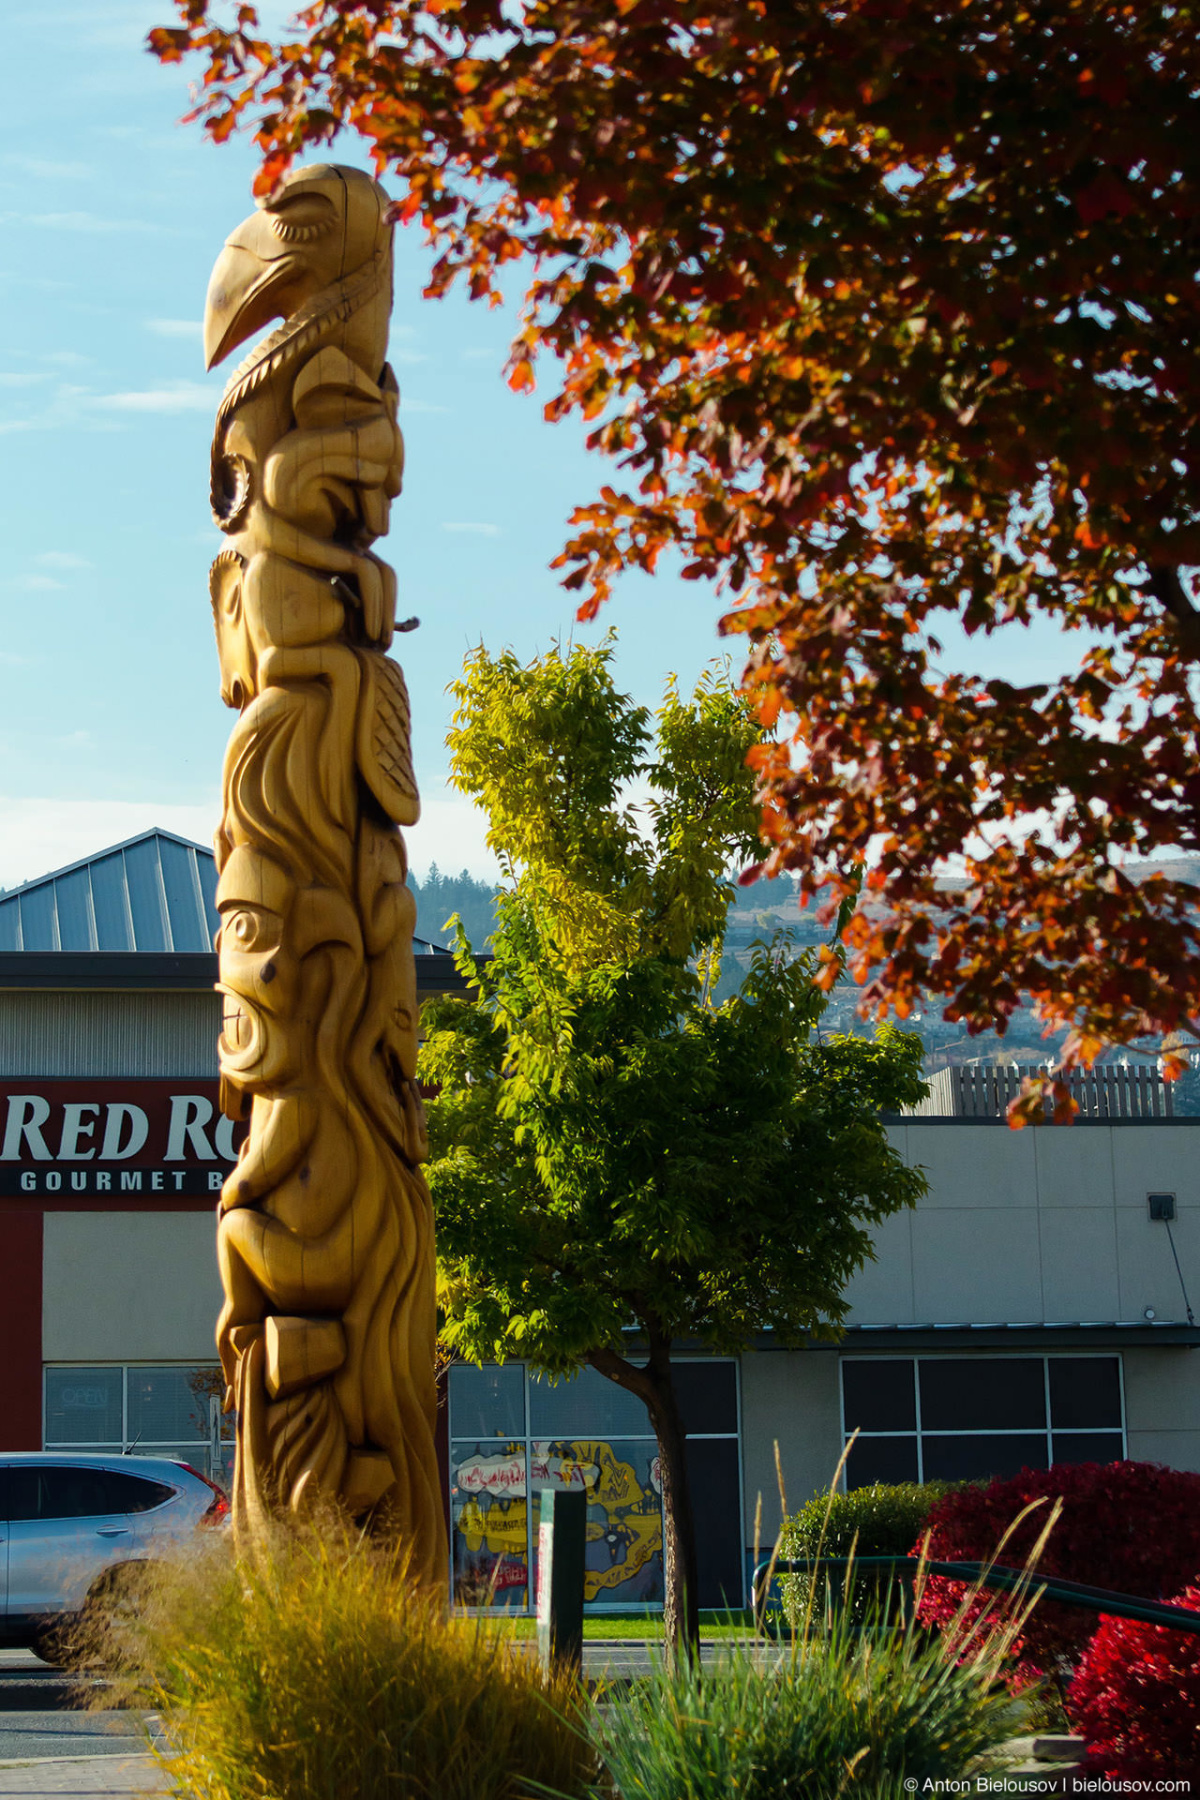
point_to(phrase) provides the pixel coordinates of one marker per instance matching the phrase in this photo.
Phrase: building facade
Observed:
(1033, 1308)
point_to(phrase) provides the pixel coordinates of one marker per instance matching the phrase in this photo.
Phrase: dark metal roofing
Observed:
(154, 895)
(110, 971)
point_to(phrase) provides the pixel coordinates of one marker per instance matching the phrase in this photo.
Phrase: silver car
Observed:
(73, 1530)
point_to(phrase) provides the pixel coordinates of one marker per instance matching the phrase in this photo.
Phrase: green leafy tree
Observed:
(618, 1164)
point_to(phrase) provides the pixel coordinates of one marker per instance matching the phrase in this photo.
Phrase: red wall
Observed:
(21, 1328)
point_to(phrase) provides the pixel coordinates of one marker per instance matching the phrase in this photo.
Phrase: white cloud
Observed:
(67, 359)
(476, 527)
(32, 584)
(38, 836)
(62, 559)
(176, 328)
(14, 380)
(419, 406)
(175, 397)
(50, 171)
(451, 833)
(407, 359)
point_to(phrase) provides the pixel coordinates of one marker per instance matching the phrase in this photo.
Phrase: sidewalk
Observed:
(83, 1776)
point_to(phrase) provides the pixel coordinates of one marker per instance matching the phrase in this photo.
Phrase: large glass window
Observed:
(964, 1418)
(157, 1409)
(513, 1434)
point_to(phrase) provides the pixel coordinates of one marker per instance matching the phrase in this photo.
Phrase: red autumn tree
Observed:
(888, 312)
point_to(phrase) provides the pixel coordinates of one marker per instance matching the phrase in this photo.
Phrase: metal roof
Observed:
(154, 894)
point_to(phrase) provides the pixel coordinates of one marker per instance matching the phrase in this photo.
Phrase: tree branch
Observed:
(1167, 587)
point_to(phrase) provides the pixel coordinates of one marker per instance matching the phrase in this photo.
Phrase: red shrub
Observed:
(1136, 1698)
(1132, 1527)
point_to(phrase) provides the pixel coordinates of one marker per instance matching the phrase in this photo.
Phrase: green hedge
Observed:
(885, 1521)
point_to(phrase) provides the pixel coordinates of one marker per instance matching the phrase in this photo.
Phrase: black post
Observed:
(562, 1530)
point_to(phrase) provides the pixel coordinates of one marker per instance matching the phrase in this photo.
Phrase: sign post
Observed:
(562, 1531)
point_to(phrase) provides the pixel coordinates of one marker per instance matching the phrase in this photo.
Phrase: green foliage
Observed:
(441, 897)
(549, 752)
(881, 1520)
(607, 1147)
(317, 1670)
(853, 1714)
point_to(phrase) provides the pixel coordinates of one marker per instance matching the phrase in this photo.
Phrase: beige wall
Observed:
(1162, 1406)
(109, 1034)
(789, 1397)
(793, 1397)
(1048, 1225)
(129, 1287)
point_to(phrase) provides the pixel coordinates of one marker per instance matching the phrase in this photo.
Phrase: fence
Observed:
(995, 1575)
(983, 1091)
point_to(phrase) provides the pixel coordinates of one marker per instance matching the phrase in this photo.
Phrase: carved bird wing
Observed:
(384, 744)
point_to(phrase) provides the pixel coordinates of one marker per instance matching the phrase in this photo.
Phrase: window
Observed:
(134, 1493)
(513, 1434)
(963, 1418)
(46, 1492)
(155, 1409)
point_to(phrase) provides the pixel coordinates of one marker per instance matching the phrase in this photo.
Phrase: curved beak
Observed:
(245, 292)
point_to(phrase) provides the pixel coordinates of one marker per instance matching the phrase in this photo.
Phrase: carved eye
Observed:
(251, 928)
(300, 219)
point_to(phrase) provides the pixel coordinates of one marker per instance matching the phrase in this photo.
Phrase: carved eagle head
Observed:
(320, 225)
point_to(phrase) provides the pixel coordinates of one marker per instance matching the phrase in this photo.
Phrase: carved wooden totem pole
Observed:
(325, 1237)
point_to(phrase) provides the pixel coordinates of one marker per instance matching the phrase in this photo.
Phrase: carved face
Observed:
(254, 898)
(285, 952)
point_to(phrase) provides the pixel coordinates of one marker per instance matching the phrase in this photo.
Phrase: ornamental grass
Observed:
(316, 1671)
(847, 1711)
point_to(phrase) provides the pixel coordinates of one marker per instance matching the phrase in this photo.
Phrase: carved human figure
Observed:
(325, 1237)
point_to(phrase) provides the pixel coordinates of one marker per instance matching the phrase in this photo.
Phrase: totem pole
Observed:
(325, 1236)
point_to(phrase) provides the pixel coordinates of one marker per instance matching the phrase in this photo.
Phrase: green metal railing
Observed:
(995, 1575)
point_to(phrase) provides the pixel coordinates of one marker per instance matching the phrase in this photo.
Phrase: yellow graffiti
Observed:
(632, 1529)
(500, 1526)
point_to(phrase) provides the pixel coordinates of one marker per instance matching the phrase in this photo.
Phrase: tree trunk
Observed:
(654, 1386)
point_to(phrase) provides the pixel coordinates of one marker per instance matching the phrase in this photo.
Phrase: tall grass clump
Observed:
(314, 1670)
(848, 1710)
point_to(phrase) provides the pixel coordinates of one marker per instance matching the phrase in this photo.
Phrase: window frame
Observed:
(166, 1448)
(1049, 1432)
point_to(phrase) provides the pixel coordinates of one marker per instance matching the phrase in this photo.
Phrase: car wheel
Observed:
(57, 1643)
(111, 1611)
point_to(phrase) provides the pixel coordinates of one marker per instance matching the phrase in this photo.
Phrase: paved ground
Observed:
(50, 1745)
(83, 1776)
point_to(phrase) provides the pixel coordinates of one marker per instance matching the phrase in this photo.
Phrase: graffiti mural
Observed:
(491, 1488)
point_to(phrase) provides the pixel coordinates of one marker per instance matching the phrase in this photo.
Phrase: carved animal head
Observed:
(320, 225)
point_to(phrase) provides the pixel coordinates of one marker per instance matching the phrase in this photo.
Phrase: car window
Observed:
(80, 1493)
(135, 1493)
(19, 1493)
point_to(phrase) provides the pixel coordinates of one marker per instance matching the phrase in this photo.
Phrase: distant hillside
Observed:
(766, 908)
(439, 896)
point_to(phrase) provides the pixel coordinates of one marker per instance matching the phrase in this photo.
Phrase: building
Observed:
(113, 1151)
(1032, 1309)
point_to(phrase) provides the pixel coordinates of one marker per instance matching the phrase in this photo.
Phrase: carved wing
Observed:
(384, 747)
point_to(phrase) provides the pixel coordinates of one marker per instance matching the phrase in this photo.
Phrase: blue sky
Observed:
(113, 215)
